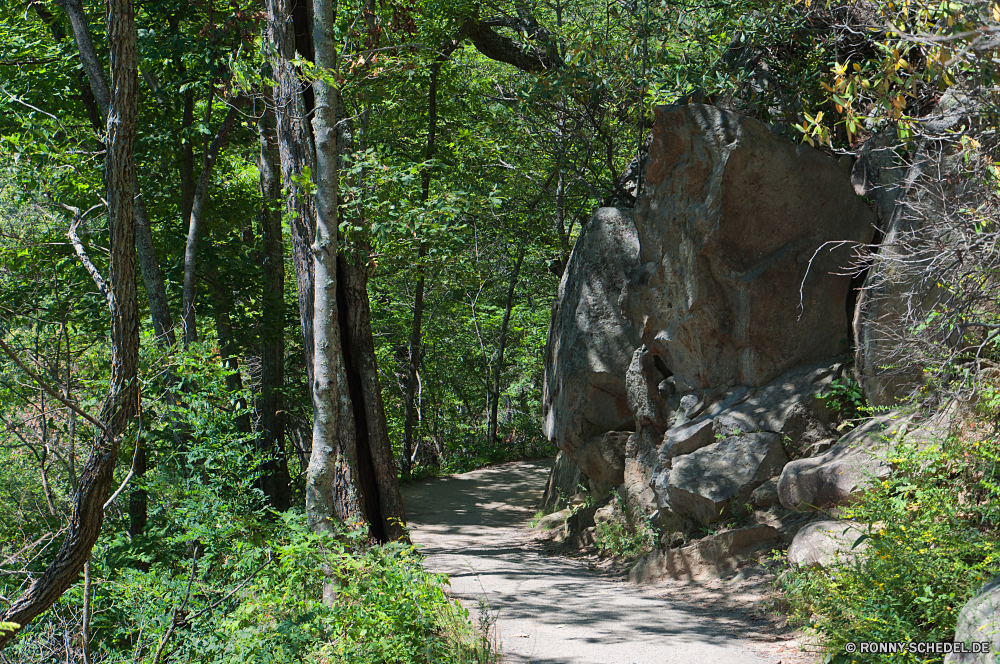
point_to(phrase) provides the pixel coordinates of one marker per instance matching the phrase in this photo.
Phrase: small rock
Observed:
(826, 543)
(766, 495)
(714, 556)
(554, 520)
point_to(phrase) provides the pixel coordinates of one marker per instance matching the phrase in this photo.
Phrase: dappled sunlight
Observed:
(553, 609)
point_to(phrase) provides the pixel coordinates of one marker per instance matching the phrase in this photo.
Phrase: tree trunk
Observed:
(156, 292)
(194, 221)
(413, 365)
(498, 369)
(333, 491)
(297, 156)
(222, 308)
(120, 406)
(378, 470)
(416, 353)
(275, 481)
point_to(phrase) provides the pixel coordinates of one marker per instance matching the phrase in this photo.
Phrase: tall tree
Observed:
(123, 394)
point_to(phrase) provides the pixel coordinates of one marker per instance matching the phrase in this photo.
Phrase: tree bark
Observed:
(120, 405)
(194, 221)
(275, 481)
(498, 369)
(332, 479)
(378, 469)
(296, 154)
(152, 278)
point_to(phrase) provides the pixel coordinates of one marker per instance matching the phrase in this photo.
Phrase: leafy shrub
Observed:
(932, 543)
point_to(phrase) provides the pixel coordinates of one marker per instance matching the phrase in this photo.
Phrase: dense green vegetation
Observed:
(465, 172)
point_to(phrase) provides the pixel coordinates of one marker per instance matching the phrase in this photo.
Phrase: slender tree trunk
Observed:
(222, 308)
(120, 406)
(194, 221)
(498, 369)
(332, 481)
(271, 441)
(413, 365)
(416, 353)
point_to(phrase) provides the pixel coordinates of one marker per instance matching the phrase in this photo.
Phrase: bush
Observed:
(932, 543)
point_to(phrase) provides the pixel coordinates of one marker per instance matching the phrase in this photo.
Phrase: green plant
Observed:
(931, 542)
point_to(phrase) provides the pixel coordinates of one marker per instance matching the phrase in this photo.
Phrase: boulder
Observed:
(709, 557)
(602, 460)
(554, 520)
(565, 479)
(790, 406)
(826, 543)
(686, 439)
(701, 485)
(840, 473)
(979, 622)
(590, 343)
(731, 220)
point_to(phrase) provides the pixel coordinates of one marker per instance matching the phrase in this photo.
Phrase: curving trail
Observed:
(556, 610)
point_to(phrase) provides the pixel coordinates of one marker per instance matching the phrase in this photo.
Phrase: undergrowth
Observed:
(931, 544)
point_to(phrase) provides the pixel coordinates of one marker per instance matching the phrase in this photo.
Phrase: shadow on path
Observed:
(552, 609)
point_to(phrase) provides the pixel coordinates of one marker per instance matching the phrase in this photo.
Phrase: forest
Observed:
(263, 262)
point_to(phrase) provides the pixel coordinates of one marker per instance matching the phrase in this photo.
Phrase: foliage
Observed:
(621, 539)
(932, 541)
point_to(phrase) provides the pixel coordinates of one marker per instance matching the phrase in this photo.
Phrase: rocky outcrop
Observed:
(739, 440)
(602, 461)
(702, 485)
(731, 221)
(979, 622)
(709, 557)
(842, 472)
(827, 543)
(590, 343)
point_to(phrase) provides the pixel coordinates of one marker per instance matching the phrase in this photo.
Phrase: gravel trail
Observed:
(553, 609)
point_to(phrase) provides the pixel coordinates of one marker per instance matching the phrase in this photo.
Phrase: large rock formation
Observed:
(739, 440)
(731, 221)
(590, 343)
(739, 319)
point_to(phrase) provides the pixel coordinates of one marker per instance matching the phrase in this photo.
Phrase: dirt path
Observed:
(557, 610)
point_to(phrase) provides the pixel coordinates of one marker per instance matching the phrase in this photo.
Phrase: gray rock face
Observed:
(563, 481)
(730, 219)
(979, 621)
(702, 484)
(826, 543)
(602, 460)
(788, 405)
(840, 473)
(590, 343)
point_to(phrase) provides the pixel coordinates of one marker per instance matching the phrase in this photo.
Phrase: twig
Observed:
(135, 455)
(81, 252)
(802, 285)
(242, 583)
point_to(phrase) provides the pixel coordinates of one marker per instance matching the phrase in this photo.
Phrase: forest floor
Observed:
(558, 608)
